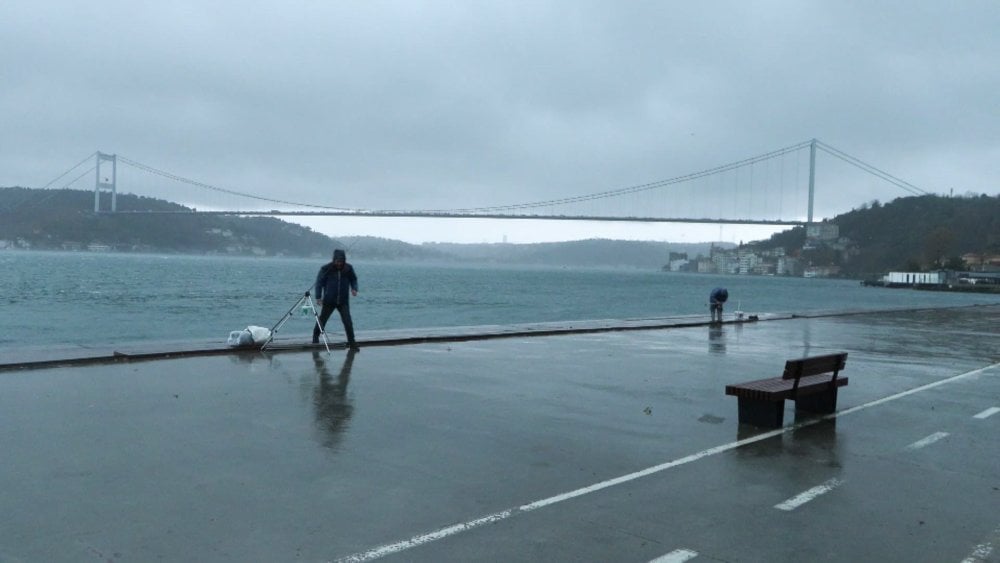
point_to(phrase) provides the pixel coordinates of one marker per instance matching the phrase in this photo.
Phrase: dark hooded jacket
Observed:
(719, 295)
(335, 285)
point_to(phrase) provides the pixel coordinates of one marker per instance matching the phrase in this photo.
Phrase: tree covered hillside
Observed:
(64, 219)
(926, 231)
(910, 233)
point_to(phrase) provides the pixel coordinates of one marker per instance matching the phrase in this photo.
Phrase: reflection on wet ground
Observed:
(716, 339)
(317, 456)
(332, 405)
(817, 442)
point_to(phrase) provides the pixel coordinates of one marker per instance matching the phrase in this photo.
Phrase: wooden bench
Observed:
(811, 382)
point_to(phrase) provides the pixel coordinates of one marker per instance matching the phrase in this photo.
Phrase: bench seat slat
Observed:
(779, 389)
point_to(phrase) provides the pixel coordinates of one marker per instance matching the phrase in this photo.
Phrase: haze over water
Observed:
(111, 299)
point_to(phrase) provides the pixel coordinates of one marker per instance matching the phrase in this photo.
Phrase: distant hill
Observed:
(64, 220)
(592, 252)
(910, 233)
(377, 248)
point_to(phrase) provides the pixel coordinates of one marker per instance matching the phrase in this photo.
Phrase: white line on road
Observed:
(981, 553)
(676, 556)
(927, 441)
(396, 547)
(806, 496)
(388, 549)
(988, 412)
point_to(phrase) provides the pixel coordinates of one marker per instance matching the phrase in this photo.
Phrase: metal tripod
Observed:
(291, 312)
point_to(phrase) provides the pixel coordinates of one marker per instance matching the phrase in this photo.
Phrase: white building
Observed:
(678, 265)
(915, 277)
(746, 263)
(822, 231)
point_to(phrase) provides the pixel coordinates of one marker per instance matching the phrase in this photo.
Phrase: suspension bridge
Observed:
(774, 188)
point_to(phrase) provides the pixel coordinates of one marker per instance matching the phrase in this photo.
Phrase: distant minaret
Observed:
(108, 184)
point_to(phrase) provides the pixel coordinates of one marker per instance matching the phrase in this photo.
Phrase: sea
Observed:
(108, 299)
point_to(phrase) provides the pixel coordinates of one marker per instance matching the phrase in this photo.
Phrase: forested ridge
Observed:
(64, 219)
(911, 233)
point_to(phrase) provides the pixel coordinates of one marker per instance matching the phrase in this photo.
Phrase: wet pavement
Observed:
(615, 445)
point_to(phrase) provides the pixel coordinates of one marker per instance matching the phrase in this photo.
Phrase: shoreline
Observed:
(951, 288)
(38, 358)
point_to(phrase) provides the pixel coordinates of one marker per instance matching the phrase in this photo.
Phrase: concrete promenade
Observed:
(600, 441)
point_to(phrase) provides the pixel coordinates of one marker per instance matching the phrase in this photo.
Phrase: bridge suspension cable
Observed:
(70, 169)
(903, 184)
(196, 183)
(630, 189)
(489, 209)
(38, 201)
(736, 169)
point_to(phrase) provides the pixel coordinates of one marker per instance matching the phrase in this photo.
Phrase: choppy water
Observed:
(92, 299)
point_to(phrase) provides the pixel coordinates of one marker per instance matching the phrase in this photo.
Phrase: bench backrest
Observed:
(815, 365)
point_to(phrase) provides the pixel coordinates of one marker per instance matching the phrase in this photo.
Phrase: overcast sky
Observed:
(439, 105)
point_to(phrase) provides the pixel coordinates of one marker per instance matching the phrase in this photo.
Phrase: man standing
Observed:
(335, 282)
(718, 296)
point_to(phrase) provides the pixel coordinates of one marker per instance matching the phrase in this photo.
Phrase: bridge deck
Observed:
(421, 214)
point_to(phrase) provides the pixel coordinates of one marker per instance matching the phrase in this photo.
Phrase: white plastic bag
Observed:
(240, 338)
(249, 336)
(259, 334)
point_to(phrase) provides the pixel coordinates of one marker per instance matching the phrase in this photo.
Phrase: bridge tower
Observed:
(109, 183)
(812, 177)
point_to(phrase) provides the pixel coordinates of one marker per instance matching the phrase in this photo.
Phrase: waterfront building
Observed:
(912, 278)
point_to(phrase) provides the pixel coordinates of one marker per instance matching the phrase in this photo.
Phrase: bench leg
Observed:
(820, 403)
(766, 414)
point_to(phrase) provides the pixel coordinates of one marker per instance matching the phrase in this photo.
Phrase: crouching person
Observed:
(716, 299)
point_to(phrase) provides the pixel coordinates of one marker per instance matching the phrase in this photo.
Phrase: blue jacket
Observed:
(335, 285)
(719, 295)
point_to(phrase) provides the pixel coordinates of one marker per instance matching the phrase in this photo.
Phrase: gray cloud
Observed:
(441, 105)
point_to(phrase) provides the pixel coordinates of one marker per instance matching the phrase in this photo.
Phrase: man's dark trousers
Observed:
(345, 317)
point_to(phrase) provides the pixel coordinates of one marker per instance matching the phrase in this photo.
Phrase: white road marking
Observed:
(988, 412)
(806, 496)
(676, 556)
(927, 441)
(388, 549)
(982, 552)
(396, 547)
